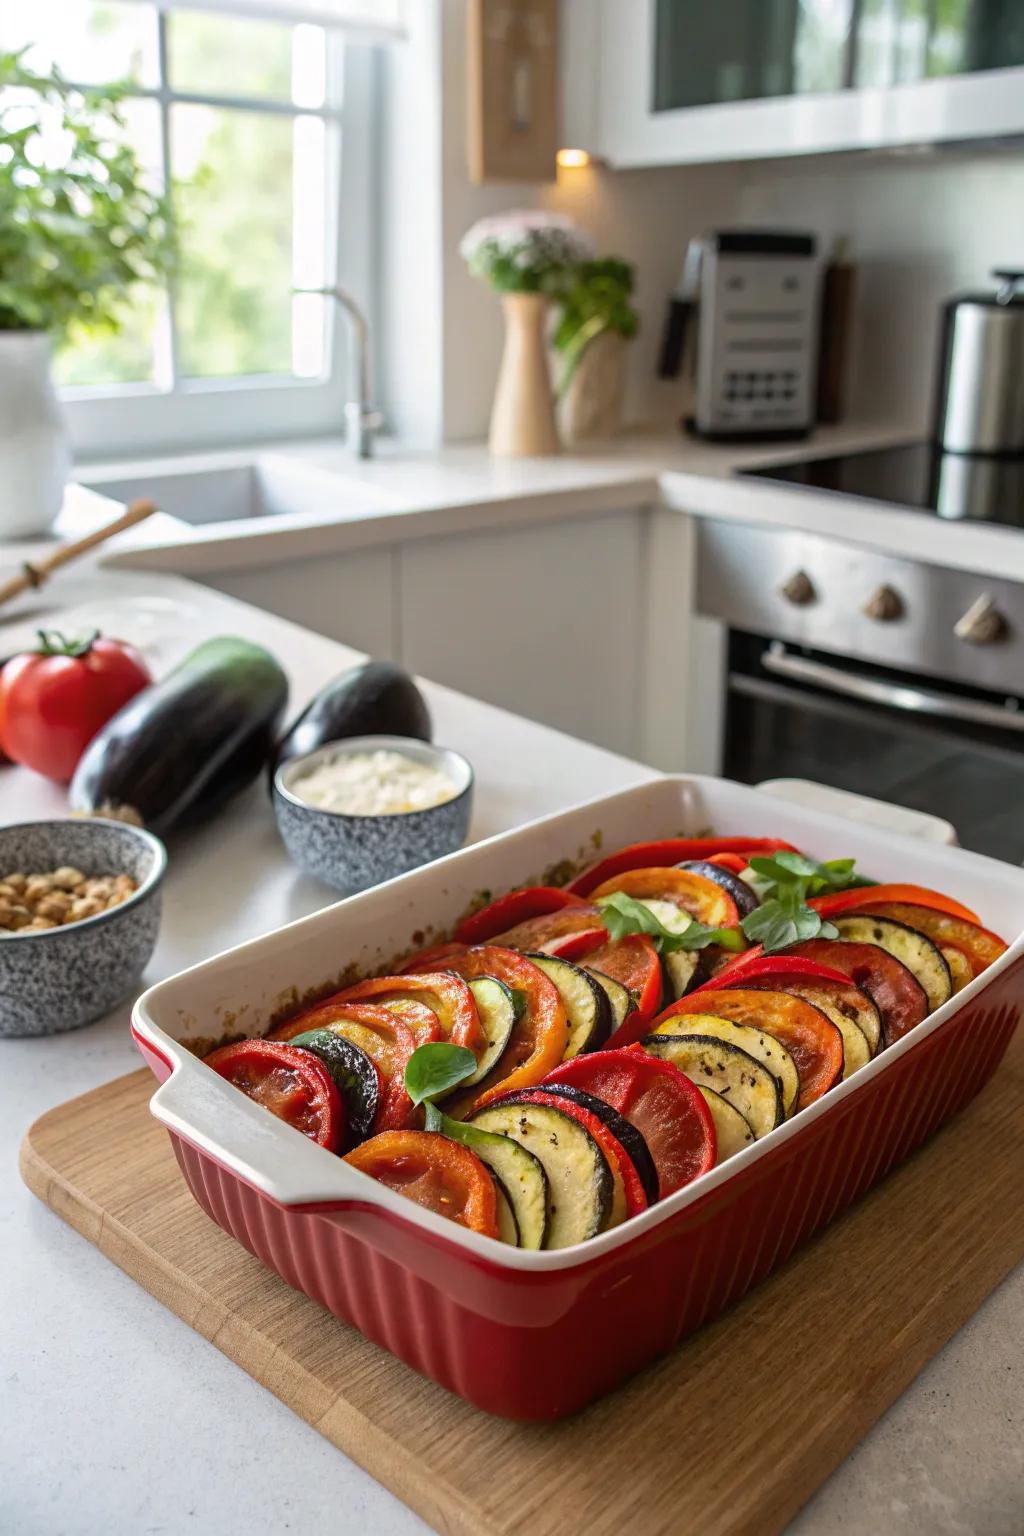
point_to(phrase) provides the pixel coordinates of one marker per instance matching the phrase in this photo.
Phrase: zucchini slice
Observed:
(680, 967)
(732, 1132)
(624, 1131)
(832, 999)
(496, 1008)
(579, 1179)
(587, 1009)
(518, 1174)
(618, 995)
(856, 1046)
(770, 1052)
(959, 967)
(729, 1070)
(922, 958)
(508, 1227)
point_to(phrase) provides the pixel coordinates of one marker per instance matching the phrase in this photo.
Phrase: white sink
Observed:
(215, 491)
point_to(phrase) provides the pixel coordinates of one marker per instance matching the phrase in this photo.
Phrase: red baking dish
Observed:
(537, 1335)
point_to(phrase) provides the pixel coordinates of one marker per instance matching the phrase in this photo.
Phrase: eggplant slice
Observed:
(915, 950)
(764, 1048)
(732, 1132)
(587, 1006)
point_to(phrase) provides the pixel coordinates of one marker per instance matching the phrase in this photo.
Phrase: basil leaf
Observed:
(433, 1069)
(623, 915)
(433, 1120)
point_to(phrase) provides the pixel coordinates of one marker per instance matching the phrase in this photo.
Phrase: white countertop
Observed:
(116, 1417)
(398, 496)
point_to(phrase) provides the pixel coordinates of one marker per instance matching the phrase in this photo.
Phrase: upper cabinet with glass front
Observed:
(701, 80)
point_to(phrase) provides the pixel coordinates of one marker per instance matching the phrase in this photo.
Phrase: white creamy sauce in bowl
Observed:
(380, 783)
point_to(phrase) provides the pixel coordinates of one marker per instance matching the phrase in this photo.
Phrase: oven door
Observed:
(958, 753)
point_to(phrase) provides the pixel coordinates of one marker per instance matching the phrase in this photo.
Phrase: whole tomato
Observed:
(54, 699)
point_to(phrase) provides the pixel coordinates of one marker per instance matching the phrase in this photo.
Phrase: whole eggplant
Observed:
(376, 698)
(181, 749)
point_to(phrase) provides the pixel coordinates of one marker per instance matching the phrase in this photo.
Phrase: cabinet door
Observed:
(540, 619)
(348, 597)
(752, 78)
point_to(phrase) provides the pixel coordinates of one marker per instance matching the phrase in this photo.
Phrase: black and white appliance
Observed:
(746, 310)
(881, 675)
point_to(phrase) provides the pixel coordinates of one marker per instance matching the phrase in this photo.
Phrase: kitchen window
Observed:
(260, 128)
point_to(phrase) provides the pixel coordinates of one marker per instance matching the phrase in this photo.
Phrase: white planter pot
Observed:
(35, 459)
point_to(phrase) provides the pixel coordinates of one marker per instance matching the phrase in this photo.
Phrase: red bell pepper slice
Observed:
(866, 897)
(558, 933)
(511, 909)
(670, 850)
(666, 1108)
(293, 1084)
(735, 862)
(755, 964)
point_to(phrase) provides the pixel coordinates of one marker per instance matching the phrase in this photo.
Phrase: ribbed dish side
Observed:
(645, 1296)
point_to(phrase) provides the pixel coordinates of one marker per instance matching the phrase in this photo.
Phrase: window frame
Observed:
(128, 420)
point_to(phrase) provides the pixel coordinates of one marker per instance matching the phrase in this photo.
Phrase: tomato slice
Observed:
(709, 903)
(417, 1018)
(618, 1159)
(539, 1035)
(635, 962)
(668, 851)
(557, 932)
(448, 996)
(510, 910)
(666, 1108)
(894, 990)
(291, 1083)
(386, 1034)
(864, 897)
(440, 1175)
(977, 944)
(812, 1040)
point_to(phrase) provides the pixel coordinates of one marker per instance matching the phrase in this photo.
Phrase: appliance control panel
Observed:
(857, 602)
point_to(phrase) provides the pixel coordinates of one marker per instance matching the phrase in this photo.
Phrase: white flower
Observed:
(531, 242)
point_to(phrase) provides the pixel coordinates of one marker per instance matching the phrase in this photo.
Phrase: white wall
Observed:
(921, 227)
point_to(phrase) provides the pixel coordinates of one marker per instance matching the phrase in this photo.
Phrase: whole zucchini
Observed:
(374, 699)
(182, 748)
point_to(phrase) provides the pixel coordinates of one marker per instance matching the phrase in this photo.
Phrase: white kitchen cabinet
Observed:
(673, 82)
(543, 619)
(347, 597)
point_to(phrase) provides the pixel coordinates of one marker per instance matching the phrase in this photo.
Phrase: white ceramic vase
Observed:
(35, 458)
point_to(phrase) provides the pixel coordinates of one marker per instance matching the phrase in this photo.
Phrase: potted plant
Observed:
(526, 256)
(80, 228)
(597, 319)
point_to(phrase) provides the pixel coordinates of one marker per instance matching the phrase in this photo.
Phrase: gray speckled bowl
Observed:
(354, 852)
(60, 978)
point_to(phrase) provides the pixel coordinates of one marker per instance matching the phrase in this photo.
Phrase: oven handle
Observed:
(923, 701)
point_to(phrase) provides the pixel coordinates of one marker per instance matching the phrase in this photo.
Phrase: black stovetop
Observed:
(955, 486)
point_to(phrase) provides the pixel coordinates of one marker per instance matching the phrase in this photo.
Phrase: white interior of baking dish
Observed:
(241, 990)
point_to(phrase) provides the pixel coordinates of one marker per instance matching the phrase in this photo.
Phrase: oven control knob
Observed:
(798, 589)
(884, 605)
(982, 624)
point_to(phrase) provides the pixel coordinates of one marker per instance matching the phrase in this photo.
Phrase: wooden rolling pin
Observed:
(33, 575)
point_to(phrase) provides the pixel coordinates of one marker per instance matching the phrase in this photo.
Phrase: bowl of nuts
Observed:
(79, 917)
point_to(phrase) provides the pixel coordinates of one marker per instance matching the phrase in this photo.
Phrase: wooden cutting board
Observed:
(731, 1433)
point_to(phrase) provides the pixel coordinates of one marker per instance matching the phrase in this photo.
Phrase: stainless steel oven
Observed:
(885, 676)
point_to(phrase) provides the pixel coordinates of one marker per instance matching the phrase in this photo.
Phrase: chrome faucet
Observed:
(362, 419)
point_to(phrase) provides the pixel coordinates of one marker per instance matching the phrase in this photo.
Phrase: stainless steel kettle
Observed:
(980, 397)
